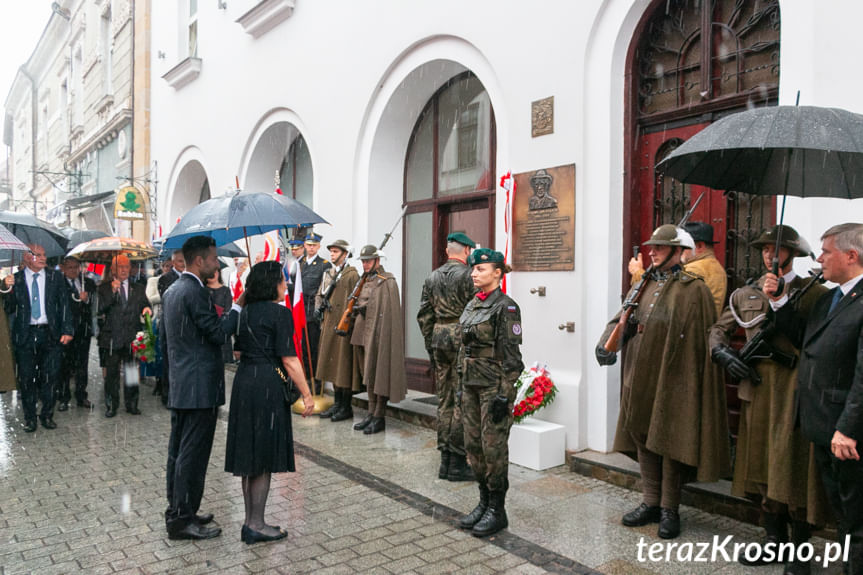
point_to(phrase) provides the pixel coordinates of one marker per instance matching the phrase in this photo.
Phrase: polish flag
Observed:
(507, 182)
(237, 288)
(298, 311)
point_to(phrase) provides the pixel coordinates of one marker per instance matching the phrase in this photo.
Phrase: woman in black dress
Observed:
(260, 441)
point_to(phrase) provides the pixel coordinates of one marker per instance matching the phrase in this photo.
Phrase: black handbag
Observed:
(290, 391)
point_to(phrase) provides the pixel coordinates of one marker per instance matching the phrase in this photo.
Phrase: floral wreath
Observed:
(144, 344)
(534, 390)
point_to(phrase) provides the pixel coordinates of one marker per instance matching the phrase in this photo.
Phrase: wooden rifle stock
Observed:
(612, 344)
(347, 319)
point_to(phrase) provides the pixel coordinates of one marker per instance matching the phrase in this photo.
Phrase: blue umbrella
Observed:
(228, 250)
(233, 217)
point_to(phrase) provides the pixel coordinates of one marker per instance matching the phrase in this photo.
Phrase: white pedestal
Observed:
(537, 444)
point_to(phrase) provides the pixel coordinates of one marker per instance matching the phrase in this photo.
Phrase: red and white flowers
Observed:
(534, 390)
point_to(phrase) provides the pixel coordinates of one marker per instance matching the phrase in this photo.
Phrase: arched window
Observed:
(295, 174)
(448, 186)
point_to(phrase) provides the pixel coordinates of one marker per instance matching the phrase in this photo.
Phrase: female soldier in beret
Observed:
(490, 364)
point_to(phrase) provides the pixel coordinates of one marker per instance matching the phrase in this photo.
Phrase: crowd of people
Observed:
(800, 374)
(800, 370)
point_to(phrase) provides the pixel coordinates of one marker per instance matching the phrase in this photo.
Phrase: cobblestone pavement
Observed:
(88, 497)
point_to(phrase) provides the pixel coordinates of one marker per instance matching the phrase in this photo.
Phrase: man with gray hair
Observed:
(830, 379)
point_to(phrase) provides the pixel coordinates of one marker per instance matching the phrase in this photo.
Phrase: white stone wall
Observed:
(353, 77)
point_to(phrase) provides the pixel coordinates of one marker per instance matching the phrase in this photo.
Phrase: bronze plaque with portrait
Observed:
(543, 220)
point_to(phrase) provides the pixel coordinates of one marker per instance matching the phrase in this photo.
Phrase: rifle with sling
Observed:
(759, 347)
(613, 343)
(346, 322)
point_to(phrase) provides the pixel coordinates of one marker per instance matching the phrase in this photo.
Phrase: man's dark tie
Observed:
(837, 295)
(74, 288)
(123, 294)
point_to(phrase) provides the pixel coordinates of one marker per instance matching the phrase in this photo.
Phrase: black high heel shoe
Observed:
(250, 536)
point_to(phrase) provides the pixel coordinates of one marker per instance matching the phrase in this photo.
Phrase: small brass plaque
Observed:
(542, 117)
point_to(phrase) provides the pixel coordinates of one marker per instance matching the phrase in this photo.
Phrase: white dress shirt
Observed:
(40, 281)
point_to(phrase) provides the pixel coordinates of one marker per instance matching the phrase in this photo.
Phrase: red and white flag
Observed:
(237, 288)
(507, 182)
(298, 311)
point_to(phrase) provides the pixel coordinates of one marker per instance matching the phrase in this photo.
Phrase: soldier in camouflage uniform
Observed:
(490, 364)
(446, 292)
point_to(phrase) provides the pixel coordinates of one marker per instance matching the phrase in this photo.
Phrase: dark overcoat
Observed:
(336, 361)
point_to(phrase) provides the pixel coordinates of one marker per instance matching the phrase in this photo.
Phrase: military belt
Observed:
(447, 321)
(478, 352)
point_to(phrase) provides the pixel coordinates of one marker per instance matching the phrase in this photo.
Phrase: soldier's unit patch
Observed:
(511, 308)
(516, 329)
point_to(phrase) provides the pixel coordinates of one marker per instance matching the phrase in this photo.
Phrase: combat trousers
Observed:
(485, 441)
(450, 429)
(661, 477)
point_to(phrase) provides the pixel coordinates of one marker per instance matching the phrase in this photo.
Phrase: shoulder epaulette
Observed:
(688, 276)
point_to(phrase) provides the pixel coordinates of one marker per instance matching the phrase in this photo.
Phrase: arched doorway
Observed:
(281, 149)
(448, 187)
(191, 188)
(689, 64)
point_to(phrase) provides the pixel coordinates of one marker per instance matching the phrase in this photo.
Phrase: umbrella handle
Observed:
(780, 282)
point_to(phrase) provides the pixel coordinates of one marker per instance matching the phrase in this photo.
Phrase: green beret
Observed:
(485, 256)
(462, 238)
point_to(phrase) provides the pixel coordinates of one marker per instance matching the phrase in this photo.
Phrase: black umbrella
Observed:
(77, 237)
(232, 217)
(32, 230)
(803, 151)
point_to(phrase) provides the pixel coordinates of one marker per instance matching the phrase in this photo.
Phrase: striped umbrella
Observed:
(9, 244)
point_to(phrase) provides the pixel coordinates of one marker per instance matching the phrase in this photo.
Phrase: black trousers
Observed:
(76, 358)
(38, 369)
(113, 365)
(843, 484)
(189, 448)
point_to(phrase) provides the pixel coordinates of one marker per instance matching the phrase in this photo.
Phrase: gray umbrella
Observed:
(80, 236)
(803, 151)
(32, 230)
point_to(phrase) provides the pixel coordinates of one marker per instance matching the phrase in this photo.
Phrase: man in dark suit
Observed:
(121, 303)
(313, 267)
(194, 334)
(39, 302)
(830, 379)
(169, 277)
(76, 355)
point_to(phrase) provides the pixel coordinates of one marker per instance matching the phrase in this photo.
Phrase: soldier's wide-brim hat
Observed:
(700, 231)
(342, 245)
(461, 238)
(369, 252)
(540, 175)
(485, 256)
(790, 240)
(669, 235)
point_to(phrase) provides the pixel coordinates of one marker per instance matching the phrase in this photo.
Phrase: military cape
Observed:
(672, 394)
(336, 362)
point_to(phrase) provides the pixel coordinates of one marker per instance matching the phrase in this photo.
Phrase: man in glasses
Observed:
(43, 324)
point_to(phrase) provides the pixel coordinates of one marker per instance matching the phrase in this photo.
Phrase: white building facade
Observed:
(365, 107)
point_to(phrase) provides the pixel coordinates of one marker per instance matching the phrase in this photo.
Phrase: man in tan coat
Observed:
(336, 361)
(774, 460)
(701, 261)
(672, 405)
(378, 340)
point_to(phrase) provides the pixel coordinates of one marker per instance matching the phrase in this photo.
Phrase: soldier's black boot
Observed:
(669, 523)
(459, 470)
(800, 534)
(345, 411)
(641, 515)
(328, 412)
(776, 527)
(472, 518)
(377, 424)
(494, 518)
(364, 423)
(443, 471)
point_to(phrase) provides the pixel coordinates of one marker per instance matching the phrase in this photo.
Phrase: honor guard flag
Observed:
(298, 311)
(507, 182)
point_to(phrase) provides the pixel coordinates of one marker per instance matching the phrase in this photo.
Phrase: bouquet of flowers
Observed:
(144, 344)
(534, 390)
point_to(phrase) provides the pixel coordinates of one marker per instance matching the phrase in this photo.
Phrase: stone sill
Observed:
(186, 71)
(265, 16)
(104, 103)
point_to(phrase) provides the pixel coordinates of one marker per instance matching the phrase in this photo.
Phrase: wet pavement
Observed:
(89, 497)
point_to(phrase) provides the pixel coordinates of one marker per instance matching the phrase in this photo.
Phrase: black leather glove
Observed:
(605, 357)
(727, 358)
(499, 408)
